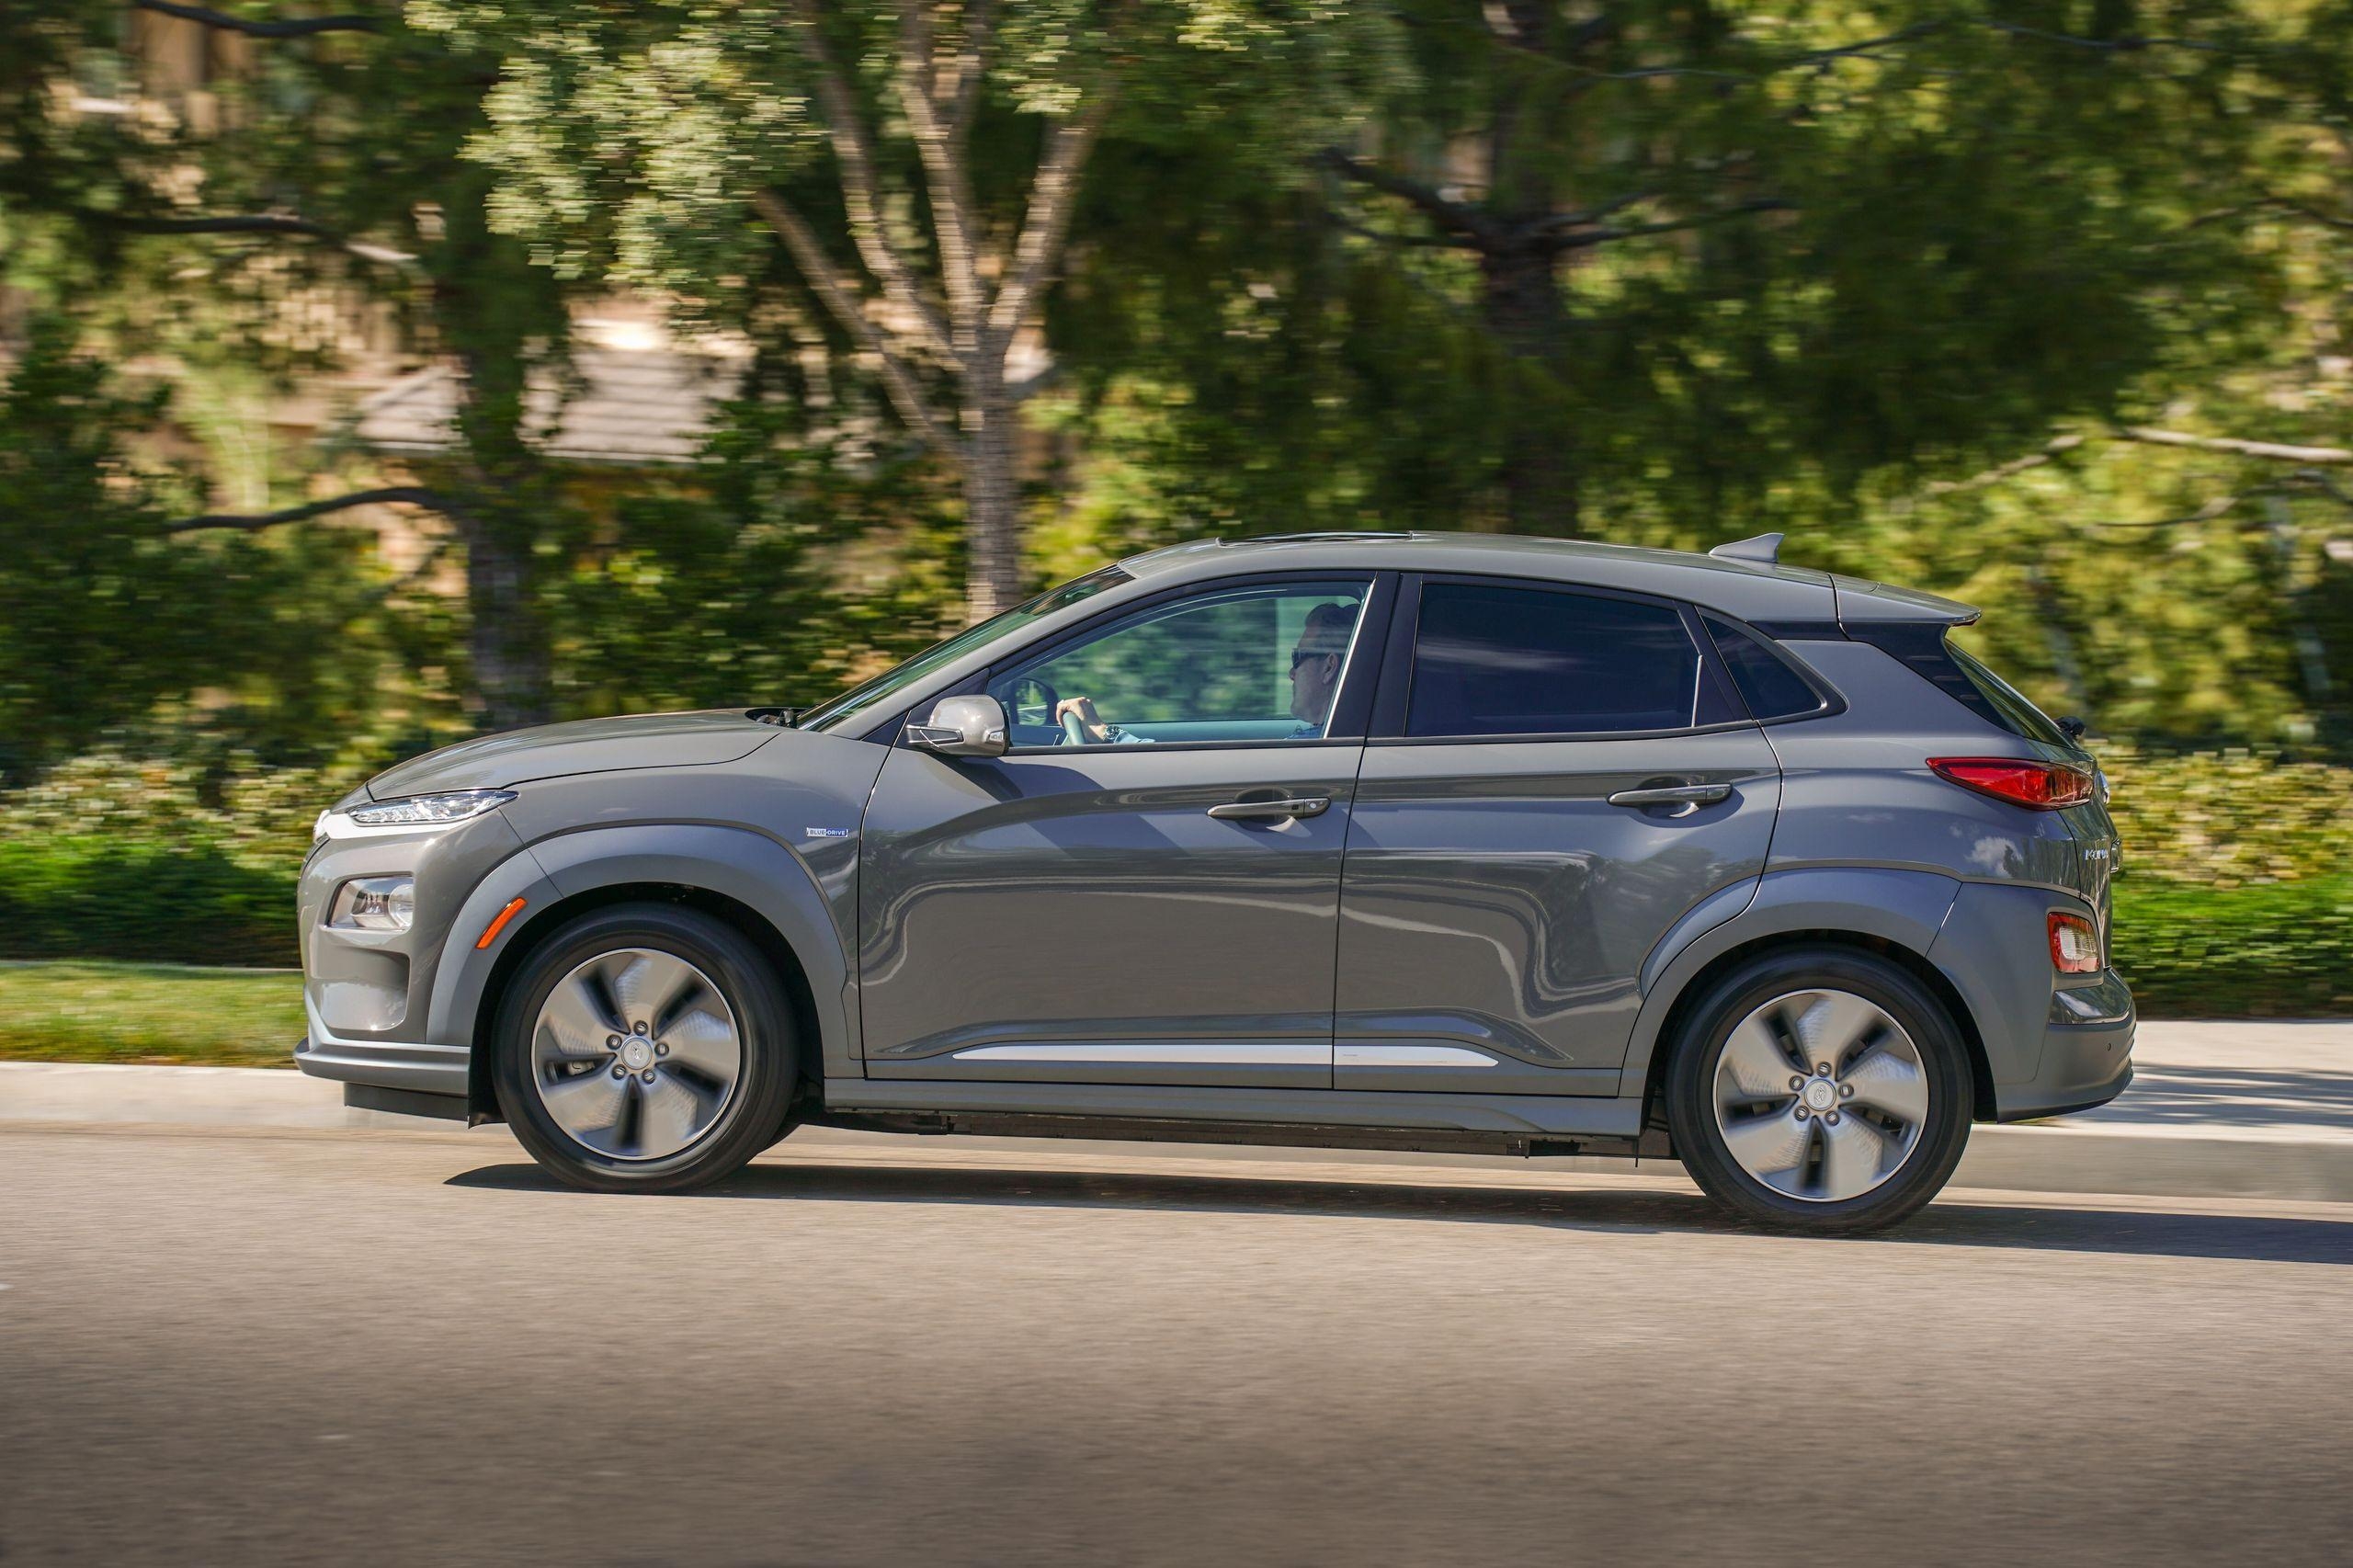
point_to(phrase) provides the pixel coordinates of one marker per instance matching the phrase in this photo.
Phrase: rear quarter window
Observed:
(1768, 682)
(2011, 709)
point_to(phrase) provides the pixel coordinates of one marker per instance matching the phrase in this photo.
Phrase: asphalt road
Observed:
(378, 1348)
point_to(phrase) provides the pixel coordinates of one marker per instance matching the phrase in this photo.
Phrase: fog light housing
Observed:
(375, 904)
(2075, 946)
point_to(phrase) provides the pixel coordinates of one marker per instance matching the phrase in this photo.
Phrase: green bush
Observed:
(186, 902)
(2229, 819)
(2283, 950)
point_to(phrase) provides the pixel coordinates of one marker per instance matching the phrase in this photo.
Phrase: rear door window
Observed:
(1491, 659)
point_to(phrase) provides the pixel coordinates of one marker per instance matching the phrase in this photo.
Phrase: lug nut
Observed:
(1831, 1119)
(1802, 1113)
(661, 1049)
(612, 1043)
(646, 1077)
(1822, 1069)
(639, 1028)
(1845, 1091)
(621, 1072)
(1796, 1083)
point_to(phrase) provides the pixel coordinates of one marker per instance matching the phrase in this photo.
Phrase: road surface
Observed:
(386, 1347)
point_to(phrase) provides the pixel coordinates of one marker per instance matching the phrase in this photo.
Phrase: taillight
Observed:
(2075, 946)
(2023, 781)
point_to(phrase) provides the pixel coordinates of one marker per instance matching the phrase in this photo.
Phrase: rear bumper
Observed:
(2086, 1054)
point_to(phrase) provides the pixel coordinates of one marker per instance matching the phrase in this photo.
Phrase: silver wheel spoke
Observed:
(574, 1019)
(702, 1039)
(1853, 1153)
(1835, 1024)
(1886, 1082)
(1753, 1063)
(589, 1103)
(649, 982)
(668, 1117)
(673, 1081)
(1768, 1145)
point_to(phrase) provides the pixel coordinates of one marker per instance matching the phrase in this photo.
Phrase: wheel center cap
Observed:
(637, 1056)
(1820, 1095)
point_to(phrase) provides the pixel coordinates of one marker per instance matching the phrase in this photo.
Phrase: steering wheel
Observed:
(1074, 731)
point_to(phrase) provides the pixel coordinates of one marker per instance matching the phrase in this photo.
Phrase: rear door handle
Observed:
(1673, 795)
(1276, 809)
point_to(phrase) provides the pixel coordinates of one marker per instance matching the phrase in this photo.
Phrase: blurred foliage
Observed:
(2229, 819)
(173, 900)
(2284, 952)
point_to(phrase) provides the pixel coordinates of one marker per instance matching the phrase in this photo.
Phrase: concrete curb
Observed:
(2143, 1161)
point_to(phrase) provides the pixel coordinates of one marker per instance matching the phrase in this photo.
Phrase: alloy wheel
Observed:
(635, 1053)
(1820, 1095)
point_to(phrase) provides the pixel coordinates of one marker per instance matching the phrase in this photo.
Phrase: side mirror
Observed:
(2074, 727)
(962, 726)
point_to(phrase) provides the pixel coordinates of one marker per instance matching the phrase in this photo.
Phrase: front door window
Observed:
(1247, 664)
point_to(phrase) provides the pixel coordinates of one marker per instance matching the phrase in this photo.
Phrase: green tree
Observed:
(942, 146)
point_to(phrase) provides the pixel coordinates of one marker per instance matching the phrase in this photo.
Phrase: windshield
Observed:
(859, 700)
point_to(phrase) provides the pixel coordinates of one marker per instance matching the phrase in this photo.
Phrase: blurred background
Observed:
(371, 378)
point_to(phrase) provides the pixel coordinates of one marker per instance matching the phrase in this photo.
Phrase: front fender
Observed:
(749, 867)
(1905, 907)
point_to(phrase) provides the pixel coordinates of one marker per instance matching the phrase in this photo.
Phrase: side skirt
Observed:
(1432, 1123)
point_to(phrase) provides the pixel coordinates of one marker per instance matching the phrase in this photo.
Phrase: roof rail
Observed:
(1765, 549)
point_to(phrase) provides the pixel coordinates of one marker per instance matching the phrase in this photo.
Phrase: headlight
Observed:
(375, 904)
(429, 810)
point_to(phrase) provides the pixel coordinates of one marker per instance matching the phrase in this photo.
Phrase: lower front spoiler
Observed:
(387, 1065)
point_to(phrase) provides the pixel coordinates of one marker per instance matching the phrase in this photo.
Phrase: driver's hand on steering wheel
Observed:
(1083, 709)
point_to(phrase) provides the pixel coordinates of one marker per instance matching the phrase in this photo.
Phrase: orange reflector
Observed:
(499, 923)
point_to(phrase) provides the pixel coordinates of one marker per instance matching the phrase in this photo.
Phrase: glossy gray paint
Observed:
(1492, 905)
(366, 985)
(588, 745)
(1495, 899)
(1856, 789)
(771, 826)
(1087, 896)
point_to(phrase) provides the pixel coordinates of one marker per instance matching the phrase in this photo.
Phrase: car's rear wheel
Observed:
(1819, 1089)
(644, 1048)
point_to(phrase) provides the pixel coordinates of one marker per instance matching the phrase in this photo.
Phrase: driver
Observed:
(1314, 681)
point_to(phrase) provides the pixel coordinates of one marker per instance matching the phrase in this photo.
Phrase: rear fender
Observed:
(1906, 908)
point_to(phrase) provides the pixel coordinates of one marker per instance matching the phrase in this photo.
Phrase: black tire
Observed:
(754, 1114)
(1944, 1056)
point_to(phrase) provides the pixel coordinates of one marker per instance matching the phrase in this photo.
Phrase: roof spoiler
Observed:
(1763, 549)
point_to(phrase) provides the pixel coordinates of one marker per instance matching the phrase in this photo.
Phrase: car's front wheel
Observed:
(644, 1048)
(1819, 1089)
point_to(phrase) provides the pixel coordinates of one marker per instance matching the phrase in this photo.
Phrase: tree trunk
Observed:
(1520, 303)
(992, 501)
(504, 638)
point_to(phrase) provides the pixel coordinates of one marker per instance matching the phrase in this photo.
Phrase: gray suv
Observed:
(1392, 841)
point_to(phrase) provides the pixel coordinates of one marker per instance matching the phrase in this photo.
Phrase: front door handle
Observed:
(1673, 795)
(1273, 809)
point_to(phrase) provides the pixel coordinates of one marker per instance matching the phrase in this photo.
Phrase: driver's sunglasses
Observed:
(1300, 655)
